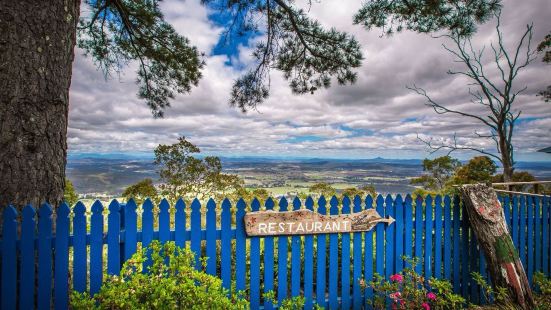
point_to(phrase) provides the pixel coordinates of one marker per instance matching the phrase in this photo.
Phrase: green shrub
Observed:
(408, 290)
(171, 282)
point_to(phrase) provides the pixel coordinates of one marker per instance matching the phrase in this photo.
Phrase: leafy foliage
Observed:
(408, 290)
(479, 169)
(120, 31)
(69, 195)
(141, 190)
(439, 171)
(171, 282)
(545, 47)
(308, 54)
(323, 189)
(459, 16)
(361, 191)
(183, 175)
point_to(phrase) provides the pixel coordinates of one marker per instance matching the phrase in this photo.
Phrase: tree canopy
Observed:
(141, 190)
(70, 195)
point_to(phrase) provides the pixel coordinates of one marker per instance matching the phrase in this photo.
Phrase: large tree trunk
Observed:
(36, 55)
(488, 223)
(506, 157)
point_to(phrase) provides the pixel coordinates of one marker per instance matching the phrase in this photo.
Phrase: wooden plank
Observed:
(546, 246)
(530, 237)
(357, 261)
(164, 221)
(282, 250)
(61, 275)
(225, 244)
(333, 259)
(368, 253)
(96, 248)
(9, 260)
(438, 237)
(295, 257)
(321, 261)
(380, 239)
(456, 245)
(447, 239)
(522, 230)
(269, 260)
(44, 257)
(537, 237)
(345, 260)
(419, 223)
(428, 238)
(408, 233)
(399, 234)
(180, 223)
(130, 229)
(465, 276)
(473, 267)
(255, 263)
(389, 238)
(27, 281)
(516, 221)
(79, 248)
(240, 247)
(113, 238)
(308, 262)
(147, 230)
(211, 238)
(195, 242)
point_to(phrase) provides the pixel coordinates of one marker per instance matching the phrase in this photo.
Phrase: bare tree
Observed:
(496, 95)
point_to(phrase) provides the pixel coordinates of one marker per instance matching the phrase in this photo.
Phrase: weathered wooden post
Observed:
(488, 223)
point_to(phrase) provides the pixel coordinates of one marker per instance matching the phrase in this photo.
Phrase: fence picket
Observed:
(380, 239)
(255, 264)
(428, 237)
(333, 259)
(419, 223)
(113, 238)
(456, 243)
(515, 226)
(61, 267)
(408, 237)
(164, 221)
(130, 229)
(530, 237)
(474, 258)
(308, 262)
(240, 247)
(195, 242)
(44, 257)
(321, 261)
(389, 238)
(9, 259)
(80, 265)
(282, 250)
(26, 283)
(180, 223)
(357, 260)
(147, 229)
(399, 234)
(225, 244)
(345, 260)
(211, 237)
(438, 237)
(545, 217)
(522, 230)
(368, 252)
(447, 238)
(464, 252)
(537, 236)
(295, 257)
(96, 248)
(269, 261)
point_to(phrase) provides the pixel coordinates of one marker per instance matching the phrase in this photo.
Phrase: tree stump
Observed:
(487, 221)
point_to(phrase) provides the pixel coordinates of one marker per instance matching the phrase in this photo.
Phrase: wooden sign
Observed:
(306, 222)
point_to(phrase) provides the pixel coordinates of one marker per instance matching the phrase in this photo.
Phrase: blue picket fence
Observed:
(39, 267)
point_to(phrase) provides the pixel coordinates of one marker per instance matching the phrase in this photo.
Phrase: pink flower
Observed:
(425, 306)
(397, 278)
(396, 295)
(431, 296)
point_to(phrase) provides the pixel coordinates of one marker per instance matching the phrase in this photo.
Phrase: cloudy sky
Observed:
(377, 116)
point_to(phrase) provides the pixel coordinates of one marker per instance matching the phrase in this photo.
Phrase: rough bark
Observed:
(504, 266)
(36, 55)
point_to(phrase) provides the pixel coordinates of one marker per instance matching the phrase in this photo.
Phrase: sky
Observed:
(376, 117)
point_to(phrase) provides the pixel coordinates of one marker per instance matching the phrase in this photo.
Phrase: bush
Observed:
(407, 290)
(171, 282)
